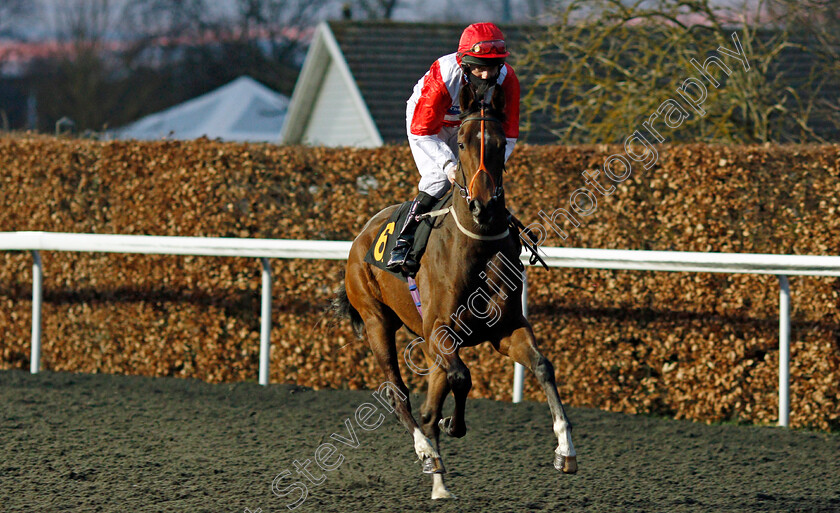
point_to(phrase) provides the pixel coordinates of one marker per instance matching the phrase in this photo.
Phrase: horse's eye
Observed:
(461, 145)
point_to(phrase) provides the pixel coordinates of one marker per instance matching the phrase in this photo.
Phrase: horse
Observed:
(471, 245)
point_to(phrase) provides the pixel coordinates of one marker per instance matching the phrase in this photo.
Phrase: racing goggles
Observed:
(495, 46)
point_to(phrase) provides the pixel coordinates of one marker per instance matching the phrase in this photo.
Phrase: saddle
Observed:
(386, 238)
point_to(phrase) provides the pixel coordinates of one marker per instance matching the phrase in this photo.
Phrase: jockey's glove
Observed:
(449, 168)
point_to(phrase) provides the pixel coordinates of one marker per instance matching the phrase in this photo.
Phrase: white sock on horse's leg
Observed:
(565, 447)
(565, 457)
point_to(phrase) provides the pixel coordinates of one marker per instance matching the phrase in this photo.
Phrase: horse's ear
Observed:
(497, 102)
(466, 98)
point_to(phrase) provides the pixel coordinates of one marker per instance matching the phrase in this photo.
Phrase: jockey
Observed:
(432, 120)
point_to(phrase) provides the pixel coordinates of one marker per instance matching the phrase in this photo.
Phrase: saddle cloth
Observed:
(380, 251)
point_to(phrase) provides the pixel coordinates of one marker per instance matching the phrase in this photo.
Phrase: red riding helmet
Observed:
(482, 43)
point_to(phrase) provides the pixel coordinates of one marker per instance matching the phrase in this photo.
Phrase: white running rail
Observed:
(680, 261)
(164, 245)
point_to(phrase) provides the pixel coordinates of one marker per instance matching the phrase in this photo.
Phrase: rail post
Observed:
(784, 351)
(518, 369)
(37, 294)
(265, 322)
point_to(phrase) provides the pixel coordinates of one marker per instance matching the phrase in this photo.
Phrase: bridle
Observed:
(467, 192)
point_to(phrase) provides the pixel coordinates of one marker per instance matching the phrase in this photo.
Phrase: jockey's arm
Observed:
(437, 151)
(425, 123)
(510, 86)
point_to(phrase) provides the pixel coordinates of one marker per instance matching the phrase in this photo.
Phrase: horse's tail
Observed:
(342, 309)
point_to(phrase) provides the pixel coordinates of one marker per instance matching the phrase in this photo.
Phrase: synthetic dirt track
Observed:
(76, 442)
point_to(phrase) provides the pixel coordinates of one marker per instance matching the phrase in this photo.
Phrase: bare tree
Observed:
(171, 18)
(372, 9)
(281, 25)
(12, 12)
(85, 22)
(122, 59)
(13, 15)
(606, 66)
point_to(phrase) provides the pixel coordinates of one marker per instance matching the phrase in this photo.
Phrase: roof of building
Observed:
(386, 59)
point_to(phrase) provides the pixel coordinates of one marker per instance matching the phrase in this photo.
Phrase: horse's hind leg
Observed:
(521, 347)
(381, 328)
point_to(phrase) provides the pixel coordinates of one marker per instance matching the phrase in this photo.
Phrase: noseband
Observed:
(467, 192)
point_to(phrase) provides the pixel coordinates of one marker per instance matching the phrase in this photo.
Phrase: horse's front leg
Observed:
(521, 346)
(460, 381)
(443, 345)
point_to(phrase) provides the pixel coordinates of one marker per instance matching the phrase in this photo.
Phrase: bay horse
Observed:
(472, 240)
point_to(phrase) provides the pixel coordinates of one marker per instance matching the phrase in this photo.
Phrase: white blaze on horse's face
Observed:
(469, 142)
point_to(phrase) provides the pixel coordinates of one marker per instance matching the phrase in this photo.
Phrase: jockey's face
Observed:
(484, 72)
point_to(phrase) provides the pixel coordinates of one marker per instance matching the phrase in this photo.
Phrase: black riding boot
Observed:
(400, 255)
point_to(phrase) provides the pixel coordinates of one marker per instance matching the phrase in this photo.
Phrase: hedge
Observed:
(689, 345)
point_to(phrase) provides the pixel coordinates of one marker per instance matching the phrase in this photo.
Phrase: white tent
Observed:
(243, 110)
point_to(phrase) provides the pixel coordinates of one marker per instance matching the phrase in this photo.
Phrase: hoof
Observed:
(446, 426)
(566, 464)
(433, 466)
(443, 494)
